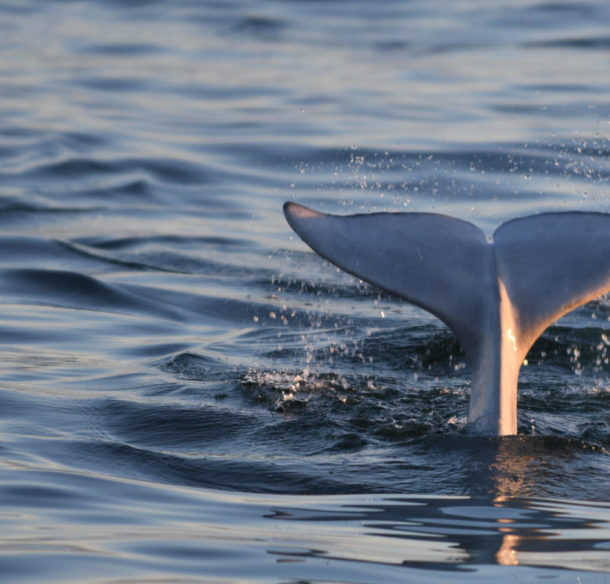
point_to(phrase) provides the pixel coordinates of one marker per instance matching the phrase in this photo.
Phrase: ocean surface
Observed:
(187, 392)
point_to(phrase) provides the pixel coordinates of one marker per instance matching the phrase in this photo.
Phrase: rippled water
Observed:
(186, 391)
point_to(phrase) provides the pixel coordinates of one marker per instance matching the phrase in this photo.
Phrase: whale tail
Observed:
(496, 296)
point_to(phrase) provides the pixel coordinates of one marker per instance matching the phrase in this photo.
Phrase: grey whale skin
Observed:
(496, 296)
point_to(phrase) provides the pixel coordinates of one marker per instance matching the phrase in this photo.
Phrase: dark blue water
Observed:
(187, 393)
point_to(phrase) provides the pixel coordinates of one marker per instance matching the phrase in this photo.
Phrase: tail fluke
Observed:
(551, 264)
(437, 262)
(497, 297)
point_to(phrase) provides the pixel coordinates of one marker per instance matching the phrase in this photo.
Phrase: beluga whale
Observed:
(497, 295)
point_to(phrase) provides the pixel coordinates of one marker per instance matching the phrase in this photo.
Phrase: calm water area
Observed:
(187, 392)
